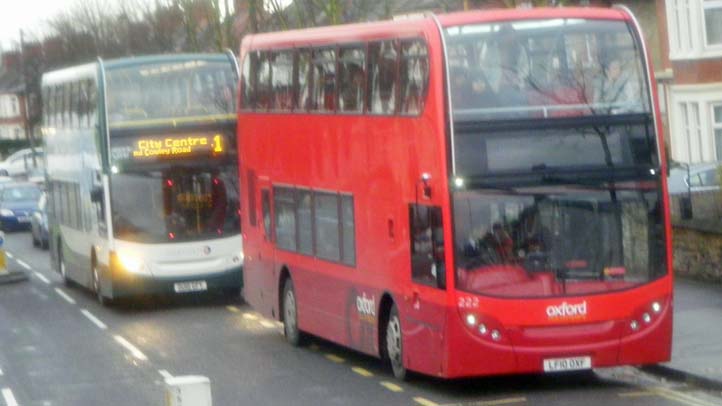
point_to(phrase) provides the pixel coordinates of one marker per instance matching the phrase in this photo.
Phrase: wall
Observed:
(697, 253)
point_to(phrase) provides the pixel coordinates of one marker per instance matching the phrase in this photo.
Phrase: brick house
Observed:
(12, 103)
(691, 35)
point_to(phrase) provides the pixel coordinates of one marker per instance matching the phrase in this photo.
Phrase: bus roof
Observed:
(413, 26)
(89, 70)
(481, 16)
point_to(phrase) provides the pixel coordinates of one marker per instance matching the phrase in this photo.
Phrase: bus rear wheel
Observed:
(290, 315)
(394, 344)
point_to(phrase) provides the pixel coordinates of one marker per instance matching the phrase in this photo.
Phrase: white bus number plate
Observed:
(567, 364)
(194, 286)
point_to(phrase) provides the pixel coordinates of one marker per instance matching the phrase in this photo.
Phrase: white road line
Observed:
(1, 372)
(94, 319)
(64, 296)
(24, 264)
(42, 278)
(9, 397)
(134, 351)
(267, 324)
(9, 255)
(165, 374)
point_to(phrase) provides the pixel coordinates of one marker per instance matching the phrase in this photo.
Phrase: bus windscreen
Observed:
(560, 240)
(176, 203)
(544, 68)
(150, 93)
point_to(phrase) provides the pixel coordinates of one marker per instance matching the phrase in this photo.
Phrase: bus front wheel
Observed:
(98, 288)
(394, 344)
(62, 267)
(290, 315)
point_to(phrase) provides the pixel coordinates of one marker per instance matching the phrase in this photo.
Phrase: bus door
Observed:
(426, 300)
(261, 272)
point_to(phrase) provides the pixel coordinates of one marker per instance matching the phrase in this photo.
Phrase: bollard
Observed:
(7, 276)
(188, 391)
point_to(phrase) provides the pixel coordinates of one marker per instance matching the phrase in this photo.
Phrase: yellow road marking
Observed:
(425, 402)
(681, 397)
(497, 402)
(335, 358)
(250, 316)
(233, 309)
(363, 372)
(391, 386)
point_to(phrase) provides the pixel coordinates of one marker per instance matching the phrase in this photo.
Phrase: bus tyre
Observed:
(97, 287)
(394, 344)
(63, 268)
(290, 315)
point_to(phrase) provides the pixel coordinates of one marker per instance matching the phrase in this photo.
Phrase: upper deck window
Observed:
(414, 76)
(324, 80)
(545, 68)
(171, 90)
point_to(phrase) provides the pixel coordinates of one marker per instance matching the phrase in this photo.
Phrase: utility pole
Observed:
(26, 96)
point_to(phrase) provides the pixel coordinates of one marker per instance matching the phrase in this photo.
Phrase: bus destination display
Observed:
(168, 147)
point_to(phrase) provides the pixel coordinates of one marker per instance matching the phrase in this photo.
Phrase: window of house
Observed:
(713, 22)
(717, 128)
(413, 76)
(382, 77)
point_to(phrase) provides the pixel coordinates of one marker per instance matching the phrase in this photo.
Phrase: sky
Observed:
(29, 15)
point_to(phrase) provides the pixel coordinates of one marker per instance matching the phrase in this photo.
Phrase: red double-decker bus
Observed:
(465, 194)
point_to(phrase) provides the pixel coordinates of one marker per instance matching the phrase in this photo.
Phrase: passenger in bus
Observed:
(483, 95)
(617, 91)
(508, 70)
(352, 92)
(462, 95)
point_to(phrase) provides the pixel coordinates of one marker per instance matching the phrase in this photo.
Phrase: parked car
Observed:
(39, 223)
(700, 177)
(18, 201)
(20, 162)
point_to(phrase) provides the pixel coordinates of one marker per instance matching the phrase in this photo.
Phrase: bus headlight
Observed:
(130, 262)
(6, 213)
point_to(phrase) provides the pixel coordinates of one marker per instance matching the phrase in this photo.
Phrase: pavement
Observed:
(697, 340)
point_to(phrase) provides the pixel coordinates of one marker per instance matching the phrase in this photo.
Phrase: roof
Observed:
(11, 82)
(410, 26)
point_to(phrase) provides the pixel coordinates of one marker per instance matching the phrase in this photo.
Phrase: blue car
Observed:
(18, 201)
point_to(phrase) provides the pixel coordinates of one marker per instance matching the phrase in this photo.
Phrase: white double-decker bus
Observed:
(142, 175)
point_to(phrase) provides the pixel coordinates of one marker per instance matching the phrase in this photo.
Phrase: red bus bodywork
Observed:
(380, 160)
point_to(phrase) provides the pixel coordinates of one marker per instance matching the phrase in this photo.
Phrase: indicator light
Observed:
(495, 335)
(482, 329)
(656, 307)
(171, 236)
(471, 320)
(646, 318)
(169, 182)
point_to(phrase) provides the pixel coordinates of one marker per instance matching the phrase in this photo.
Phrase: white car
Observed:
(21, 162)
(700, 178)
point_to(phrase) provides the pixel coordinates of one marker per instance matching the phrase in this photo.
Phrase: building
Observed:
(692, 40)
(12, 103)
